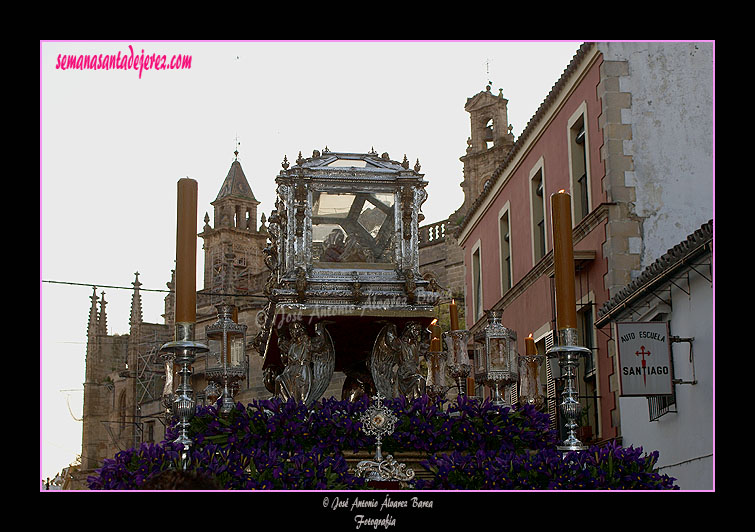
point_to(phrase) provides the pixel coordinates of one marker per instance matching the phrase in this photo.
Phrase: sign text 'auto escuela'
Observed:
(644, 358)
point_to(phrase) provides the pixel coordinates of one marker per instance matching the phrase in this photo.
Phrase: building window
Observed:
(547, 374)
(588, 388)
(580, 174)
(537, 195)
(586, 332)
(658, 405)
(504, 234)
(149, 432)
(477, 308)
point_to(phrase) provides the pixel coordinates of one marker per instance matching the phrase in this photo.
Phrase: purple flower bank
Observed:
(272, 444)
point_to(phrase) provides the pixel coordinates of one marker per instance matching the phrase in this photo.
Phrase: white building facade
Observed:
(678, 288)
(665, 136)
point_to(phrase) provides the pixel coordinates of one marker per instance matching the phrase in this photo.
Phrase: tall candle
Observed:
(563, 259)
(186, 252)
(454, 311)
(529, 344)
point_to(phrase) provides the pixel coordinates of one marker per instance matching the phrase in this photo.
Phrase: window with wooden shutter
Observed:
(551, 395)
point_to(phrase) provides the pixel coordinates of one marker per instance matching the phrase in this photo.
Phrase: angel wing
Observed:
(382, 360)
(323, 365)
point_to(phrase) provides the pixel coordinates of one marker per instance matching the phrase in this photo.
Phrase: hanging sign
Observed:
(644, 358)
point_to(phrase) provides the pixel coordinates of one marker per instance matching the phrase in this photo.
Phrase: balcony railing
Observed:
(432, 233)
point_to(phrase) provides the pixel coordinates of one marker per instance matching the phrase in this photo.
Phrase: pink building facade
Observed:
(627, 131)
(507, 234)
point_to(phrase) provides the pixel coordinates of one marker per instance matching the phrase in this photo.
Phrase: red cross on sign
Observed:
(642, 353)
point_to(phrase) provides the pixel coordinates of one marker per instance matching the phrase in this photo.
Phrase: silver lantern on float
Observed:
(227, 340)
(496, 363)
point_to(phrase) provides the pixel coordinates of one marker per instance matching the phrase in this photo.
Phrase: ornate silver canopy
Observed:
(344, 250)
(348, 233)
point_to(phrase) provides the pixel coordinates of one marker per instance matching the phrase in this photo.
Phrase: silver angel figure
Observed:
(308, 363)
(394, 362)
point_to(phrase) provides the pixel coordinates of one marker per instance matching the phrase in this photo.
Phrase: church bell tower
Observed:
(233, 243)
(489, 143)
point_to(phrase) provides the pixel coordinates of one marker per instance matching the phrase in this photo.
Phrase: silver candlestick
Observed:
(529, 380)
(568, 353)
(436, 374)
(183, 351)
(458, 366)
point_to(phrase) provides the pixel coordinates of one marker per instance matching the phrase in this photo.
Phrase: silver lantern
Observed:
(227, 340)
(496, 354)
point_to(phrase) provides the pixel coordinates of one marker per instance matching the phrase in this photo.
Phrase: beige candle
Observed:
(529, 344)
(454, 311)
(186, 252)
(563, 259)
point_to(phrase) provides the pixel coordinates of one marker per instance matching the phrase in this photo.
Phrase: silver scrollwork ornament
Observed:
(379, 421)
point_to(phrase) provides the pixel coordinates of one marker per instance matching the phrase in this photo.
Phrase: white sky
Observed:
(113, 146)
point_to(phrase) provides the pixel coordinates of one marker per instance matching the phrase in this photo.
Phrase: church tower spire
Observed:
(235, 205)
(136, 303)
(92, 325)
(92, 332)
(102, 320)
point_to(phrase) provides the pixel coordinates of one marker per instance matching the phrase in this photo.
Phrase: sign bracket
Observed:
(676, 339)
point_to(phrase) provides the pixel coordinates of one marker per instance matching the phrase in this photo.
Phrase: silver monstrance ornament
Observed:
(378, 420)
